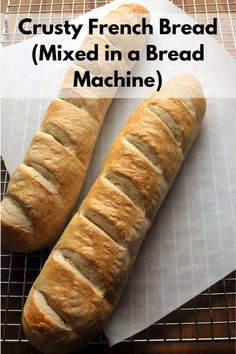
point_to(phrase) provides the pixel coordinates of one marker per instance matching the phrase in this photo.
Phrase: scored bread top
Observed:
(44, 187)
(87, 270)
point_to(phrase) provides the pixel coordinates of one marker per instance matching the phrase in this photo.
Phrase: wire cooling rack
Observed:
(59, 10)
(208, 317)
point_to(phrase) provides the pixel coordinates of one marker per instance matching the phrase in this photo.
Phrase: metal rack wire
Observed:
(59, 10)
(208, 317)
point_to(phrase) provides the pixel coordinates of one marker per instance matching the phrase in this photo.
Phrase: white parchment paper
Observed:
(191, 244)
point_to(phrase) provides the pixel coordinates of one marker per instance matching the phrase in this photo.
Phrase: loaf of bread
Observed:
(45, 186)
(82, 280)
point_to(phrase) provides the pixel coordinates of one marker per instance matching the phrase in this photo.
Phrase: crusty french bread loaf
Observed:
(82, 280)
(44, 187)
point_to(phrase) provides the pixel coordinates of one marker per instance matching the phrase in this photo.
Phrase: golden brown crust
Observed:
(88, 268)
(104, 255)
(39, 197)
(180, 114)
(44, 188)
(124, 222)
(76, 123)
(42, 328)
(68, 305)
(91, 100)
(136, 8)
(148, 128)
(190, 89)
(125, 160)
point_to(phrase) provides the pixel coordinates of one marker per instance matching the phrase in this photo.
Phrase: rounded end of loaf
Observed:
(18, 240)
(48, 339)
(14, 239)
(136, 8)
(16, 230)
(181, 105)
(17, 237)
(45, 330)
(191, 89)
